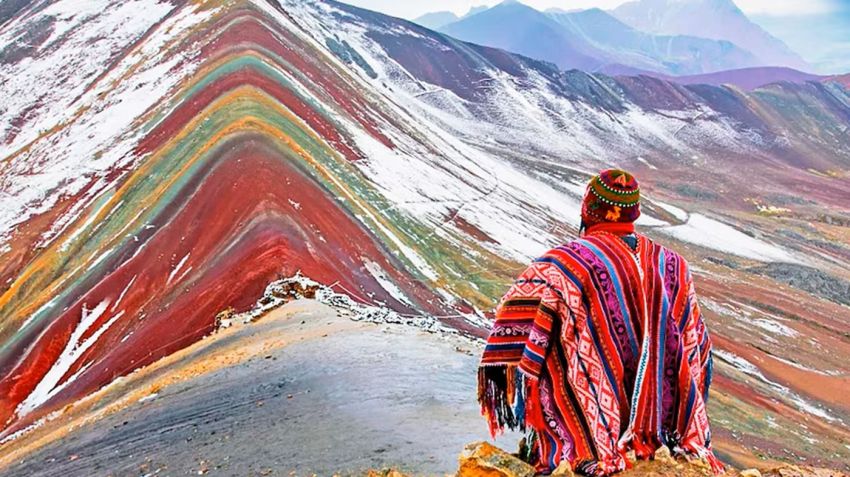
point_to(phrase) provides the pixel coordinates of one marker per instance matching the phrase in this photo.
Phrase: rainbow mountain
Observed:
(163, 162)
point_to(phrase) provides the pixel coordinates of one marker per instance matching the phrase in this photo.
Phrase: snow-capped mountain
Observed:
(518, 28)
(675, 54)
(593, 40)
(164, 162)
(714, 19)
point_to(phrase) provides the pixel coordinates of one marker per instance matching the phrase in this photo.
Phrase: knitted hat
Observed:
(612, 196)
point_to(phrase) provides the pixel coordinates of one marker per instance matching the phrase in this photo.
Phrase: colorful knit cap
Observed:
(612, 196)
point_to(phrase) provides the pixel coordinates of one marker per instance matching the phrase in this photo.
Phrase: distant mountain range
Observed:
(645, 36)
(437, 20)
(714, 19)
(675, 54)
(843, 79)
(521, 29)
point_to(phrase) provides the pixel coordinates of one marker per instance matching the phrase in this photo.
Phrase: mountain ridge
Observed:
(677, 55)
(747, 79)
(526, 31)
(594, 40)
(437, 20)
(714, 19)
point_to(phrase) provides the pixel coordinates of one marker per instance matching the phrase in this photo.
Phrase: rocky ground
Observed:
(808, 279)
(485, 460)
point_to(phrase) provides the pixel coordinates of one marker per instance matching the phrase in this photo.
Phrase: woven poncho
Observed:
(598, 349)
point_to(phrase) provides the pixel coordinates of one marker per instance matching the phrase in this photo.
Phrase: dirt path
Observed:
(335, 397)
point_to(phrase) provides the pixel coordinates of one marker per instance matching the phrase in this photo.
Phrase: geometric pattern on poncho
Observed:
(597, 350)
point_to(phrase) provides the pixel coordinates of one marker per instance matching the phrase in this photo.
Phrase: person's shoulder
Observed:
(561, 252)
(563, 258)
(560, 266)
(668, 252)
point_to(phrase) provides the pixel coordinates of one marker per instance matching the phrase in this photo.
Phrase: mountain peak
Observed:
(712, 19)
(475, 10)
(724, 5)
(435, 20)
(514, 4)
(594, 40)
(439, 19)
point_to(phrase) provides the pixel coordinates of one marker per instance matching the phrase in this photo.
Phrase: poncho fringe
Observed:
(503, 392)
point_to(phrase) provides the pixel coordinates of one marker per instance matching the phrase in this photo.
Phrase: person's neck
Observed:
(616, 228)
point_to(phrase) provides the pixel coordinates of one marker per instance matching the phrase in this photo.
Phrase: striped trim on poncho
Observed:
(598, 350)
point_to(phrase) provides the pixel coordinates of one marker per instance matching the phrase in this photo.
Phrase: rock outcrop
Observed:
(481, 459)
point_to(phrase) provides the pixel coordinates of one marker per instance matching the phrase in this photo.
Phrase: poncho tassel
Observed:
(500, 393)
(520, 399)
(716, 466)
(644, 450)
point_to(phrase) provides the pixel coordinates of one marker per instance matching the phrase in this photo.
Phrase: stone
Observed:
(701, 464)
(385, 473)
(663, 455)
(481, 459)
(790, 470)
(563, 470)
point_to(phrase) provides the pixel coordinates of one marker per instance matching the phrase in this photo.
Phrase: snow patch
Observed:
(75, 347)
(381, 277)
(283, 291)
(774, 327)
(715, 235)
(44, 307)
(123, 292)
(680, 214)
(149, 397)
(647, 163)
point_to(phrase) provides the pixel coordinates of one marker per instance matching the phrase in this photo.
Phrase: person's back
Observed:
(599, 346)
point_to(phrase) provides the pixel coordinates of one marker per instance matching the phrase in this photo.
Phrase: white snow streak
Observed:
(381, 277)
(49, 385)
(749, 368)
(177, 268)
(123, 292)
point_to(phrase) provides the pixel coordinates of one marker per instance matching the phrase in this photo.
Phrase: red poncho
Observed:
(598, 349)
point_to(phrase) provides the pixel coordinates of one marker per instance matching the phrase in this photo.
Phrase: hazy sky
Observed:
(413, 8)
